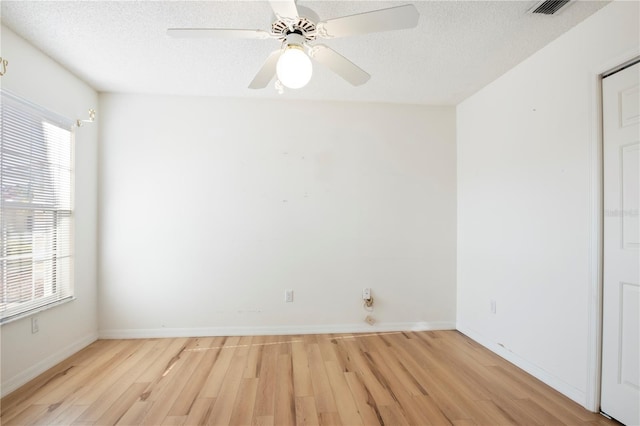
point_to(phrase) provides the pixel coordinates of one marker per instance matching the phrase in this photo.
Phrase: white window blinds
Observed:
(36, 216)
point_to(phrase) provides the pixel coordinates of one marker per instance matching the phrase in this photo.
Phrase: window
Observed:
(36, 216)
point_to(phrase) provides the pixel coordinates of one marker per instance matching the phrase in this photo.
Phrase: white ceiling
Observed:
(121, 46)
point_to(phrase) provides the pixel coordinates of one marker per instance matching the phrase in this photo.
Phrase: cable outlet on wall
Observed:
(493, 306)
(35, 327)
(366, 293)
(288, 296)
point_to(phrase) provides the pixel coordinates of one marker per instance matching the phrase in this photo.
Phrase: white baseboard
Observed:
(564, 388)
(34, 371)
(274, 330)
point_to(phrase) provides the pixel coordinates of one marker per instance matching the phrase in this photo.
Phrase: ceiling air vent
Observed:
(548, 7)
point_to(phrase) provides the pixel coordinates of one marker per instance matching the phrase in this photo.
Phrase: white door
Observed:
(620, 397)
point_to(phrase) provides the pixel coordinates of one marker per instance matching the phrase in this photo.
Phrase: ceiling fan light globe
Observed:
(294, 68)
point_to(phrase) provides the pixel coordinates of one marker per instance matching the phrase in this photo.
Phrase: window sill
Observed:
(32, 312)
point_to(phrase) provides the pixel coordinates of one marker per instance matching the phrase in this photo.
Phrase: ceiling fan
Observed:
(297, 27)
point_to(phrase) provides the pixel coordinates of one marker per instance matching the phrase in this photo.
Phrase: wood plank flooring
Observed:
(398, 378)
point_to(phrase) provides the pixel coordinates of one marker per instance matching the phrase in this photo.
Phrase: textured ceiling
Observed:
(457, 48)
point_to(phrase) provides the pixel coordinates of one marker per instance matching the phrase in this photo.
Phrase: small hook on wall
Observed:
(4, 64)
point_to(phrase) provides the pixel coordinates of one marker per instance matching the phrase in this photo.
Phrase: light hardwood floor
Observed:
(417, 378)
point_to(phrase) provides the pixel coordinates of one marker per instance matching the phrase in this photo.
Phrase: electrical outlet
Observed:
(288, 296)
(366, 293)
(493, 306)
(35, 327)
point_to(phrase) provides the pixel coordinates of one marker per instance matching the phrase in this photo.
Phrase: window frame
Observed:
(58, 282)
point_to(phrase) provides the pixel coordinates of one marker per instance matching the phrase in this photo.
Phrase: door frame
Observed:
(596, 231)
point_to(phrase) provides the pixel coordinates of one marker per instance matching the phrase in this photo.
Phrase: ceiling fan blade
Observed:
(284, 8)
(339, 64)
(394, 18)
(217, 33)
(267, 72)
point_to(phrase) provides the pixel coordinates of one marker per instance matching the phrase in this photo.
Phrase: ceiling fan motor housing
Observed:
(282, 28)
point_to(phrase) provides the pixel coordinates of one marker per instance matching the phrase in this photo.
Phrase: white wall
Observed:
(211, 208)
(66, 328)
(527, 195)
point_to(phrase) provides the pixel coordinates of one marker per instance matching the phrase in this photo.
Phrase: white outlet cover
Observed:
(366, 293)
(288, 296)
